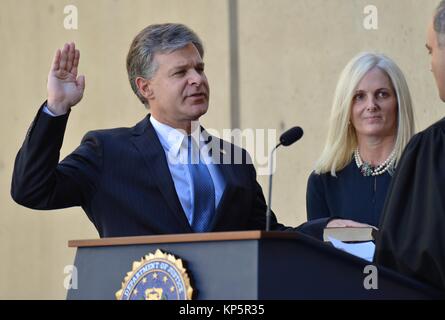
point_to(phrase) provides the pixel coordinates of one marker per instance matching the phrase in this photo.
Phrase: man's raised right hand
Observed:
(65, 89)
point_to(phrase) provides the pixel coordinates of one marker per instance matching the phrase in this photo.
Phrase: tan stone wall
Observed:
(291, 53)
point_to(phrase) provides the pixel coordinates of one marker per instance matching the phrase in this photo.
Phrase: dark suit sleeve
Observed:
(261, 210)
(40, 182)
(315, 198)
(314, 228)
(311, 228)
(257, 219)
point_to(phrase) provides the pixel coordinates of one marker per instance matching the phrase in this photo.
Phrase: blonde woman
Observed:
(371, 122)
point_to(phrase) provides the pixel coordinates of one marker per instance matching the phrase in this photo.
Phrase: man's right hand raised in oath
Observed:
(65, 88)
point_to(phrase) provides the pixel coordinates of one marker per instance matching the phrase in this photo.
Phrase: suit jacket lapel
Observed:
(229, 191)
(147, 143)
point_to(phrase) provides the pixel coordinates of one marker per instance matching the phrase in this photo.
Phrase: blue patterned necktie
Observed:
(204, 190)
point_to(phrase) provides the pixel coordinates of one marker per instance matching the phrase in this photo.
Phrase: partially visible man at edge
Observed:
(412, 229)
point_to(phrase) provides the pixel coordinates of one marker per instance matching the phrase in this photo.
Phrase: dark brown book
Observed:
(350, 234)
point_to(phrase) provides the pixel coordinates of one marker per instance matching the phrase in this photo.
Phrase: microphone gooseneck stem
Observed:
(269, 198)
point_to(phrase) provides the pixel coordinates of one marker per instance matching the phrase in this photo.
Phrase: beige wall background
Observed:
(290, 55)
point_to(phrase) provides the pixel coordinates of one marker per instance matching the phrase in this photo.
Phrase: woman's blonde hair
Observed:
(341, 140)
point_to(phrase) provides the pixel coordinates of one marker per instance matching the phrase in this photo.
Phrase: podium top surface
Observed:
(186, 237)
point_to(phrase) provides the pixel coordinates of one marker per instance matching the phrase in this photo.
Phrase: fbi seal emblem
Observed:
(158, 276)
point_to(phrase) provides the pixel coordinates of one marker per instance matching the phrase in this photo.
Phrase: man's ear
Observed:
(145, 88)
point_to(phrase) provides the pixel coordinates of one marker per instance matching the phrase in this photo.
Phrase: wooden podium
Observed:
(246, 265)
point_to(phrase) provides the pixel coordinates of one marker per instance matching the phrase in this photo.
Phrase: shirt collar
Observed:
(171, 139)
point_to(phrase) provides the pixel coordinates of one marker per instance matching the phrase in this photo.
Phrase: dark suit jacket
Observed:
(120, 177)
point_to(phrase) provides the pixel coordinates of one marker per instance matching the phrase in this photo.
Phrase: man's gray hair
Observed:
(439, 23)
(157, 38)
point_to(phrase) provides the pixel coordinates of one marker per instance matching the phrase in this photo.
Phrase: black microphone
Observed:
(286, 139)
(290, 136)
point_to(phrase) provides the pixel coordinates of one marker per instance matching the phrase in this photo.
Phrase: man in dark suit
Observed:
(164, 175)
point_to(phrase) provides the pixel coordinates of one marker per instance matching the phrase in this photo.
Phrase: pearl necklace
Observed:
(368, 170)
